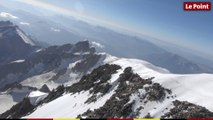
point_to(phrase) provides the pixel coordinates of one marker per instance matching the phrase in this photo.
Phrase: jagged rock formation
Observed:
(119, 105)
(53, 95)
(96, 80)
(44, 88)
(183, 109)
(50, 59)
(50, 65)
(130, 91)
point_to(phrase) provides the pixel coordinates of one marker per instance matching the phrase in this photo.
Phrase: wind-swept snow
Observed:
(194, 88)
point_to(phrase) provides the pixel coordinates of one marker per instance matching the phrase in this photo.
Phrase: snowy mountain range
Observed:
(82, 82)
(59, 30)
(123, 87)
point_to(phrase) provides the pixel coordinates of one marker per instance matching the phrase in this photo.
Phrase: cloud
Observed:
(8, 15)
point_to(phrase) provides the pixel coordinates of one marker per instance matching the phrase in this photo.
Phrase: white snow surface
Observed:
(24, 23)
(18, 61)
(194, 88)
(6, 102)
(39, 50)
(25, 38)
(36, 96)
(39, 80)
(70, 105)
(7, 15)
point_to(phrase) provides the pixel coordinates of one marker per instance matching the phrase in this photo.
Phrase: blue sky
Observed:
(162, 19)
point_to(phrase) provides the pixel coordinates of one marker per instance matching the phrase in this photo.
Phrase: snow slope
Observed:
(39, 80)
(71, 105)
(6, 101)
(36, 96)
(194, 88)
(67, 79)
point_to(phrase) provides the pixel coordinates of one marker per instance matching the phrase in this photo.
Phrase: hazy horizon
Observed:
(166, 21)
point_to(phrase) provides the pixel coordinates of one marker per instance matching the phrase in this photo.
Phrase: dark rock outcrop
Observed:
(45, 89)
(119, 105)
(97, 80)
(156, 92)
(19, 110)
(183, 109)
(53, 95)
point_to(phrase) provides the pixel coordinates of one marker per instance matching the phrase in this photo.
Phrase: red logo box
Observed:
(197, 6)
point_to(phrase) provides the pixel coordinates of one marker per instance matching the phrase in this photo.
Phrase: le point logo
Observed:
(197, 6)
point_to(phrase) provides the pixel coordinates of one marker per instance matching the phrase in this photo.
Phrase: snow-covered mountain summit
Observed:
(8, 29)
(116, 87)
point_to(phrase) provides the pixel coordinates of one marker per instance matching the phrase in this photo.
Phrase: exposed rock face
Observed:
(183, 109)
(102, 74)
(86, 63)
(18, 110)
(83, 46)
(50, 59)
(120, 105)
(156, 92)
(130, 91)
(97, 80)
(53, 95)
(45, 89)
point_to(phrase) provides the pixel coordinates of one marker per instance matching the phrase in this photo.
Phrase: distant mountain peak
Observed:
(8, 29)
(14, 43)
